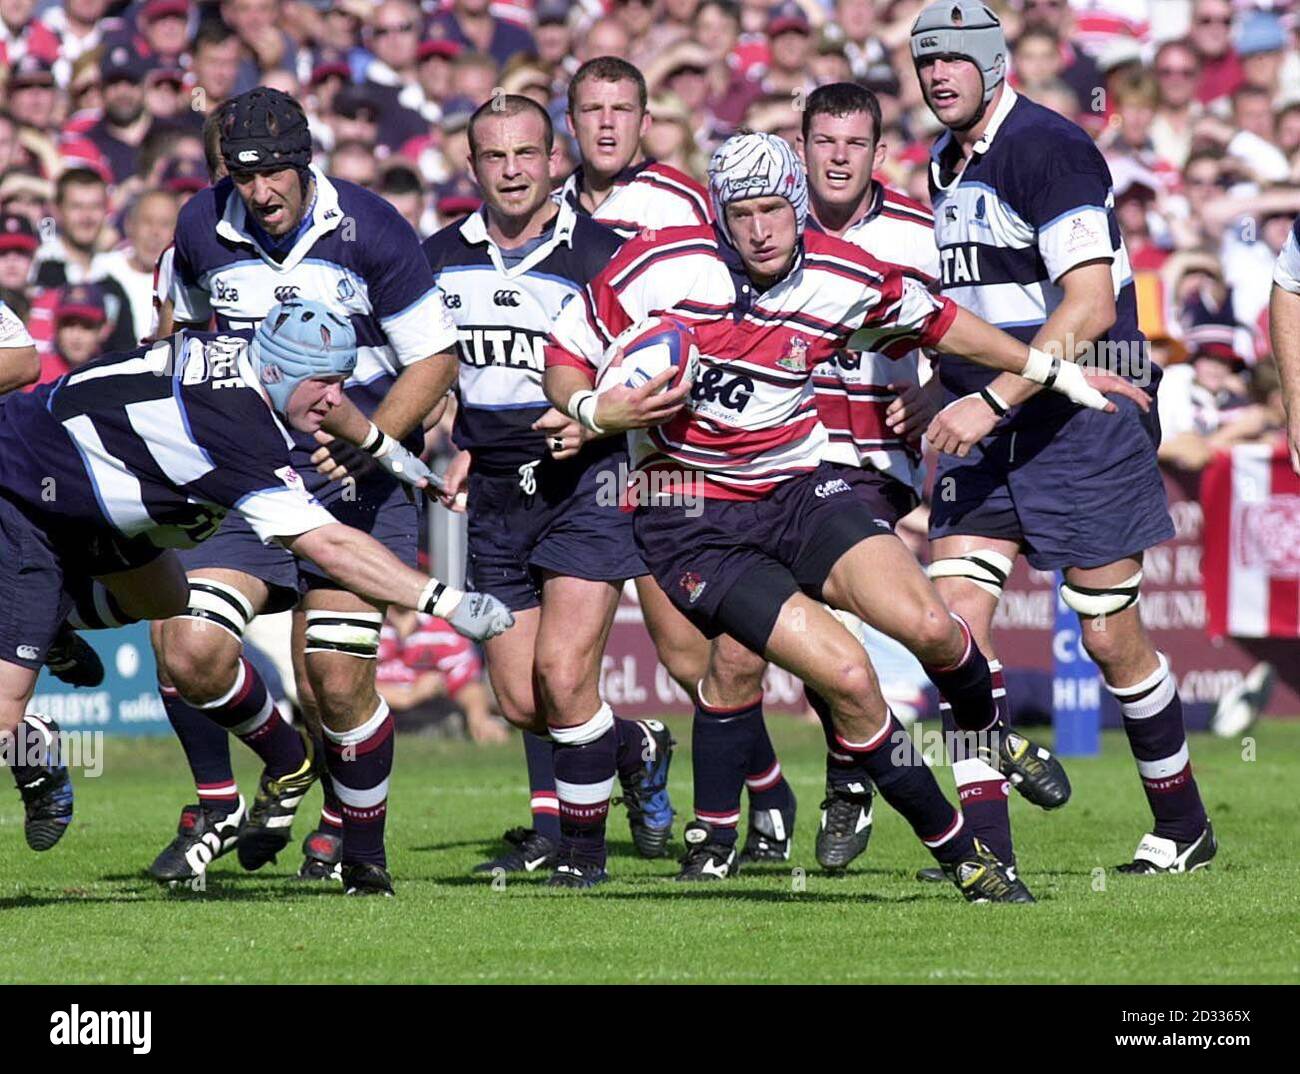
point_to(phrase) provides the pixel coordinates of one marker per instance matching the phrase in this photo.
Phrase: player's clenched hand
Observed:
(479, 616)
(621, 407)
(564, 436)
(338, 459)
(960, 425)
(455, 481)
(913, 410)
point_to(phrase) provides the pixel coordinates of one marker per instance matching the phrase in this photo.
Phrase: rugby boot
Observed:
(770, 834)
(1158, 855)
(366, 878)
(46, 792)
(71, 659)
(705, 858)
(1031, 769)
(527, 850)
(649, 810)
(202, 837)
(269, 825)
(845, 828)
(982, 878)
(322, 856)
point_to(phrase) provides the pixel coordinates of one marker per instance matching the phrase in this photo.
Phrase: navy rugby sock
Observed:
(721, 746)
(585, 769)
(896, 767)
(844, 771)
(765, 782)
(249, 714)
(539, 754)
(360, 762)
(207, 749)
(1153, 721)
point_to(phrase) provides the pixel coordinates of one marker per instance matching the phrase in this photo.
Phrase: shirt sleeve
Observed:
(1070, 209)
(191, 302)
(405, 300)
(251, 473)
(1286, 271)
(898, 316)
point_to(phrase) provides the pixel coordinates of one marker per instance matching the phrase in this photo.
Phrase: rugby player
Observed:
(620, 186)
(275, 228)
(540, 537)
(874, 410)
(780, 529)
(617, 185)
(1028, 240)
(108, 470)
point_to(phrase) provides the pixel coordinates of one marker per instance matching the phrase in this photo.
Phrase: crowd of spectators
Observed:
(1195, 104)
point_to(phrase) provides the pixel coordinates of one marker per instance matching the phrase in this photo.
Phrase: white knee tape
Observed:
(348, 633)
(219, 604)
(1091, 602)
(983, 567)
(587, 732)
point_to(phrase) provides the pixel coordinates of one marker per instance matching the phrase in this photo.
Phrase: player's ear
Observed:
(646, 120)
(878, 159)
(799, 148)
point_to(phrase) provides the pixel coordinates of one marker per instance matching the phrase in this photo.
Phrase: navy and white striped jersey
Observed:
(158, 443)
(1286, 270)
(358, 256)
(1034, 201)
(504, 313)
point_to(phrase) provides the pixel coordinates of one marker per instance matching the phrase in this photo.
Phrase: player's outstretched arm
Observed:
(361, 564)
(1284, 329)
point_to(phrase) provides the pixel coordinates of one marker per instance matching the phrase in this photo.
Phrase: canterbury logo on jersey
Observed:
(514, 347)
(506, 298)
(960, 264)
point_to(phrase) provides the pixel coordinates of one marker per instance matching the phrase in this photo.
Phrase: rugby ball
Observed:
(649, 347)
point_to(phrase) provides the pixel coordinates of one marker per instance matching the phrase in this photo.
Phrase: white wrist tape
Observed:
(439, 599)
(1041, 367)
(582, 409)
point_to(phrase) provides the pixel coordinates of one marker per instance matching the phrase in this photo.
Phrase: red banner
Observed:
(1252, 543)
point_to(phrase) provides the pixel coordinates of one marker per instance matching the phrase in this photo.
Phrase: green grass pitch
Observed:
(84, 913)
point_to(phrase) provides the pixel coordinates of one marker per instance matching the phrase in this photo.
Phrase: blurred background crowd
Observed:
(1195, 103)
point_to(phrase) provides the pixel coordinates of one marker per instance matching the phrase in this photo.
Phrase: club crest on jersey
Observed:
(795, 357)
(345, 289)
(1081, 235)
(693, 585)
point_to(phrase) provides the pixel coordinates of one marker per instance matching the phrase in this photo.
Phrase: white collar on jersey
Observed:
(1005, 103)
(327, 216)
(474, 231)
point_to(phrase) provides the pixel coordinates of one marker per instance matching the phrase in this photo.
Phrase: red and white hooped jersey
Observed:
(646, 195)
(432, 646)
(750, 422)
(852, 388)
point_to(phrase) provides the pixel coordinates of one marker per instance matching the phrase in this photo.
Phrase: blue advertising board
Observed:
(126, 704)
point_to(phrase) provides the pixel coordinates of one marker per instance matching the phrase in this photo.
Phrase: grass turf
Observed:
(84, 913)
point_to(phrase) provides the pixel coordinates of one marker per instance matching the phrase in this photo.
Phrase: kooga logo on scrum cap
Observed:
(248, 155)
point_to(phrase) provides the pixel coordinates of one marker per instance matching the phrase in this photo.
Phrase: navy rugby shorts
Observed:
(1079, 488)
(731, 566)
(555, 517)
